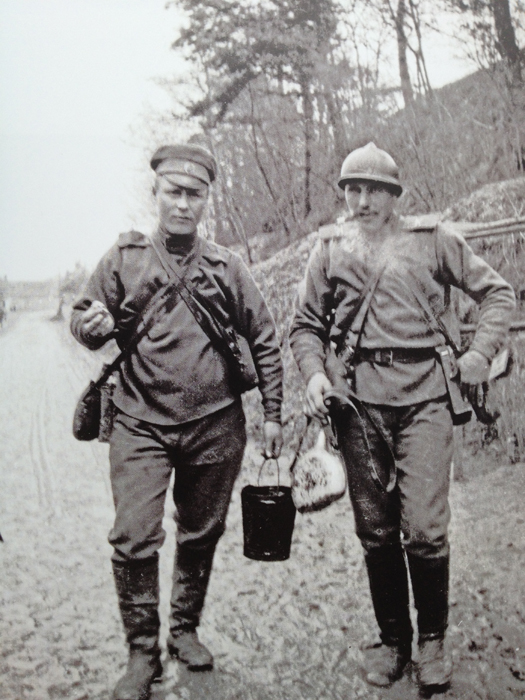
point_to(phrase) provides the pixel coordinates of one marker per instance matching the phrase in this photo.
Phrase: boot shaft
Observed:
(430, 586)
(388, 578)
(191, 575)
(137, 585)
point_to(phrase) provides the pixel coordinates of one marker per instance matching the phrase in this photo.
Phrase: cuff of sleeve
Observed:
(482, 351)
(272, 412)
(310, 366)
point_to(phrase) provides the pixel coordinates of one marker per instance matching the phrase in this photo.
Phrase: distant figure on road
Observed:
(373, 320)
(178, 406)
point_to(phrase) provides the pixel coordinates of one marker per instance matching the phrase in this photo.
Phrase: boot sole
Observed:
(428, 691)
(174, 653)
(387, 682)
(439, 686)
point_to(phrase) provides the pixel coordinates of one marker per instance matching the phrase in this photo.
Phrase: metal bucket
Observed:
(268, 516)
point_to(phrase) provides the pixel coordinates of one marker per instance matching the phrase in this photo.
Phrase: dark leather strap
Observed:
(144, 322)
(388, 356)
(200, 308)
(433, 320)
(141, 328)
(352, 327)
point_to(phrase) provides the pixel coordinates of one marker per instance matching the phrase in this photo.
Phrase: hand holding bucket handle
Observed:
(263, 464)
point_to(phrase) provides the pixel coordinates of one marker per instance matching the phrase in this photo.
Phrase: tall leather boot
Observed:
(430, 584)
(387, 574)
(137, 585)
(191, 575)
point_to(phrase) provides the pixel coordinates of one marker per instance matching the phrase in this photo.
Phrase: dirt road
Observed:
(279, 631)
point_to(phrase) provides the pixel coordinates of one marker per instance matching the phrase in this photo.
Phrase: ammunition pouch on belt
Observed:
(459, 407)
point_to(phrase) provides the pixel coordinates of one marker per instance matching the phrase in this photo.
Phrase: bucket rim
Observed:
(269, 489)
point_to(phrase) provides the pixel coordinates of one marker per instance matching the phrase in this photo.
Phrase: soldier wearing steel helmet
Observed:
(178, 408)
(397, 447)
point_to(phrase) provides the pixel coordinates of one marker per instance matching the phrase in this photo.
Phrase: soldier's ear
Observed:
(155, 187)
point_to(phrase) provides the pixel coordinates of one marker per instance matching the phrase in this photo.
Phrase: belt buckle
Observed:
(387, 357)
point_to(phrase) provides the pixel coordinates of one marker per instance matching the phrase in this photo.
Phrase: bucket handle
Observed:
(300, 445)
(265, 461)
(297, 451)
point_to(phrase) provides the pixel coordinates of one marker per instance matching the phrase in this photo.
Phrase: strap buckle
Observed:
(384, 357)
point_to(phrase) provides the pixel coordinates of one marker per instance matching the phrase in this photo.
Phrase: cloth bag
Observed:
(93, 416)
(86, 418)
(318, 478)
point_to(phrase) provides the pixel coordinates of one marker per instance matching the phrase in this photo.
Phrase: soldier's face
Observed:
(181, 201)
(370, 204)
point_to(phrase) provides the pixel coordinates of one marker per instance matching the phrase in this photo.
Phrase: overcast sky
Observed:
(76, 79)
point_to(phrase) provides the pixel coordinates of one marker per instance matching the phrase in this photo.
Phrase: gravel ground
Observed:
(279, 631)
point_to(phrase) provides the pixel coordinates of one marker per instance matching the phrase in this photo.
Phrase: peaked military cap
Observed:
(185, 159)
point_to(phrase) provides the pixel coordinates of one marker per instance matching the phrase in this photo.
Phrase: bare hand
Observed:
(473, 374)
(318, 386)
(273, 439)
(97, 322)
(473, 368)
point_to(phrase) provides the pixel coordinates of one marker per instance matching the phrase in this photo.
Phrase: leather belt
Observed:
(387, 356)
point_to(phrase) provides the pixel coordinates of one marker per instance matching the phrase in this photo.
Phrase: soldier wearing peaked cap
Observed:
(361, 324)
(178, 406)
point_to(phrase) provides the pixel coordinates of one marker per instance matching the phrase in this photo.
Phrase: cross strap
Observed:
(148, 316)
(353, 326)
(433, 321)
(200, 307)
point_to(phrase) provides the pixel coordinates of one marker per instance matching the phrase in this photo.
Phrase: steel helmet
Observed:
(370, 163)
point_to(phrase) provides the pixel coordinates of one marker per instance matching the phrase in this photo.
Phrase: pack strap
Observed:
(200, 308)
(154, 304)
(159, 300)
(359, 408)
(353, 326)
(434, 322)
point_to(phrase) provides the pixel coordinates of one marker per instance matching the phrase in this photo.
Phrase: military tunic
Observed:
(175, 375)
(406, 401)
(433, 261)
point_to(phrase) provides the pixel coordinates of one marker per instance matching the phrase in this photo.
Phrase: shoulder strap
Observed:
(353, 325)
(200, 308)
(432, 318)
(146, 320)
(141, 329)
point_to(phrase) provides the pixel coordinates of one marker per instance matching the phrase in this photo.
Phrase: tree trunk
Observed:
(308, 123)
(406, 85)
(234, 216)
(420, 57)
(340, 145)
(263, 172)
(506, 38)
